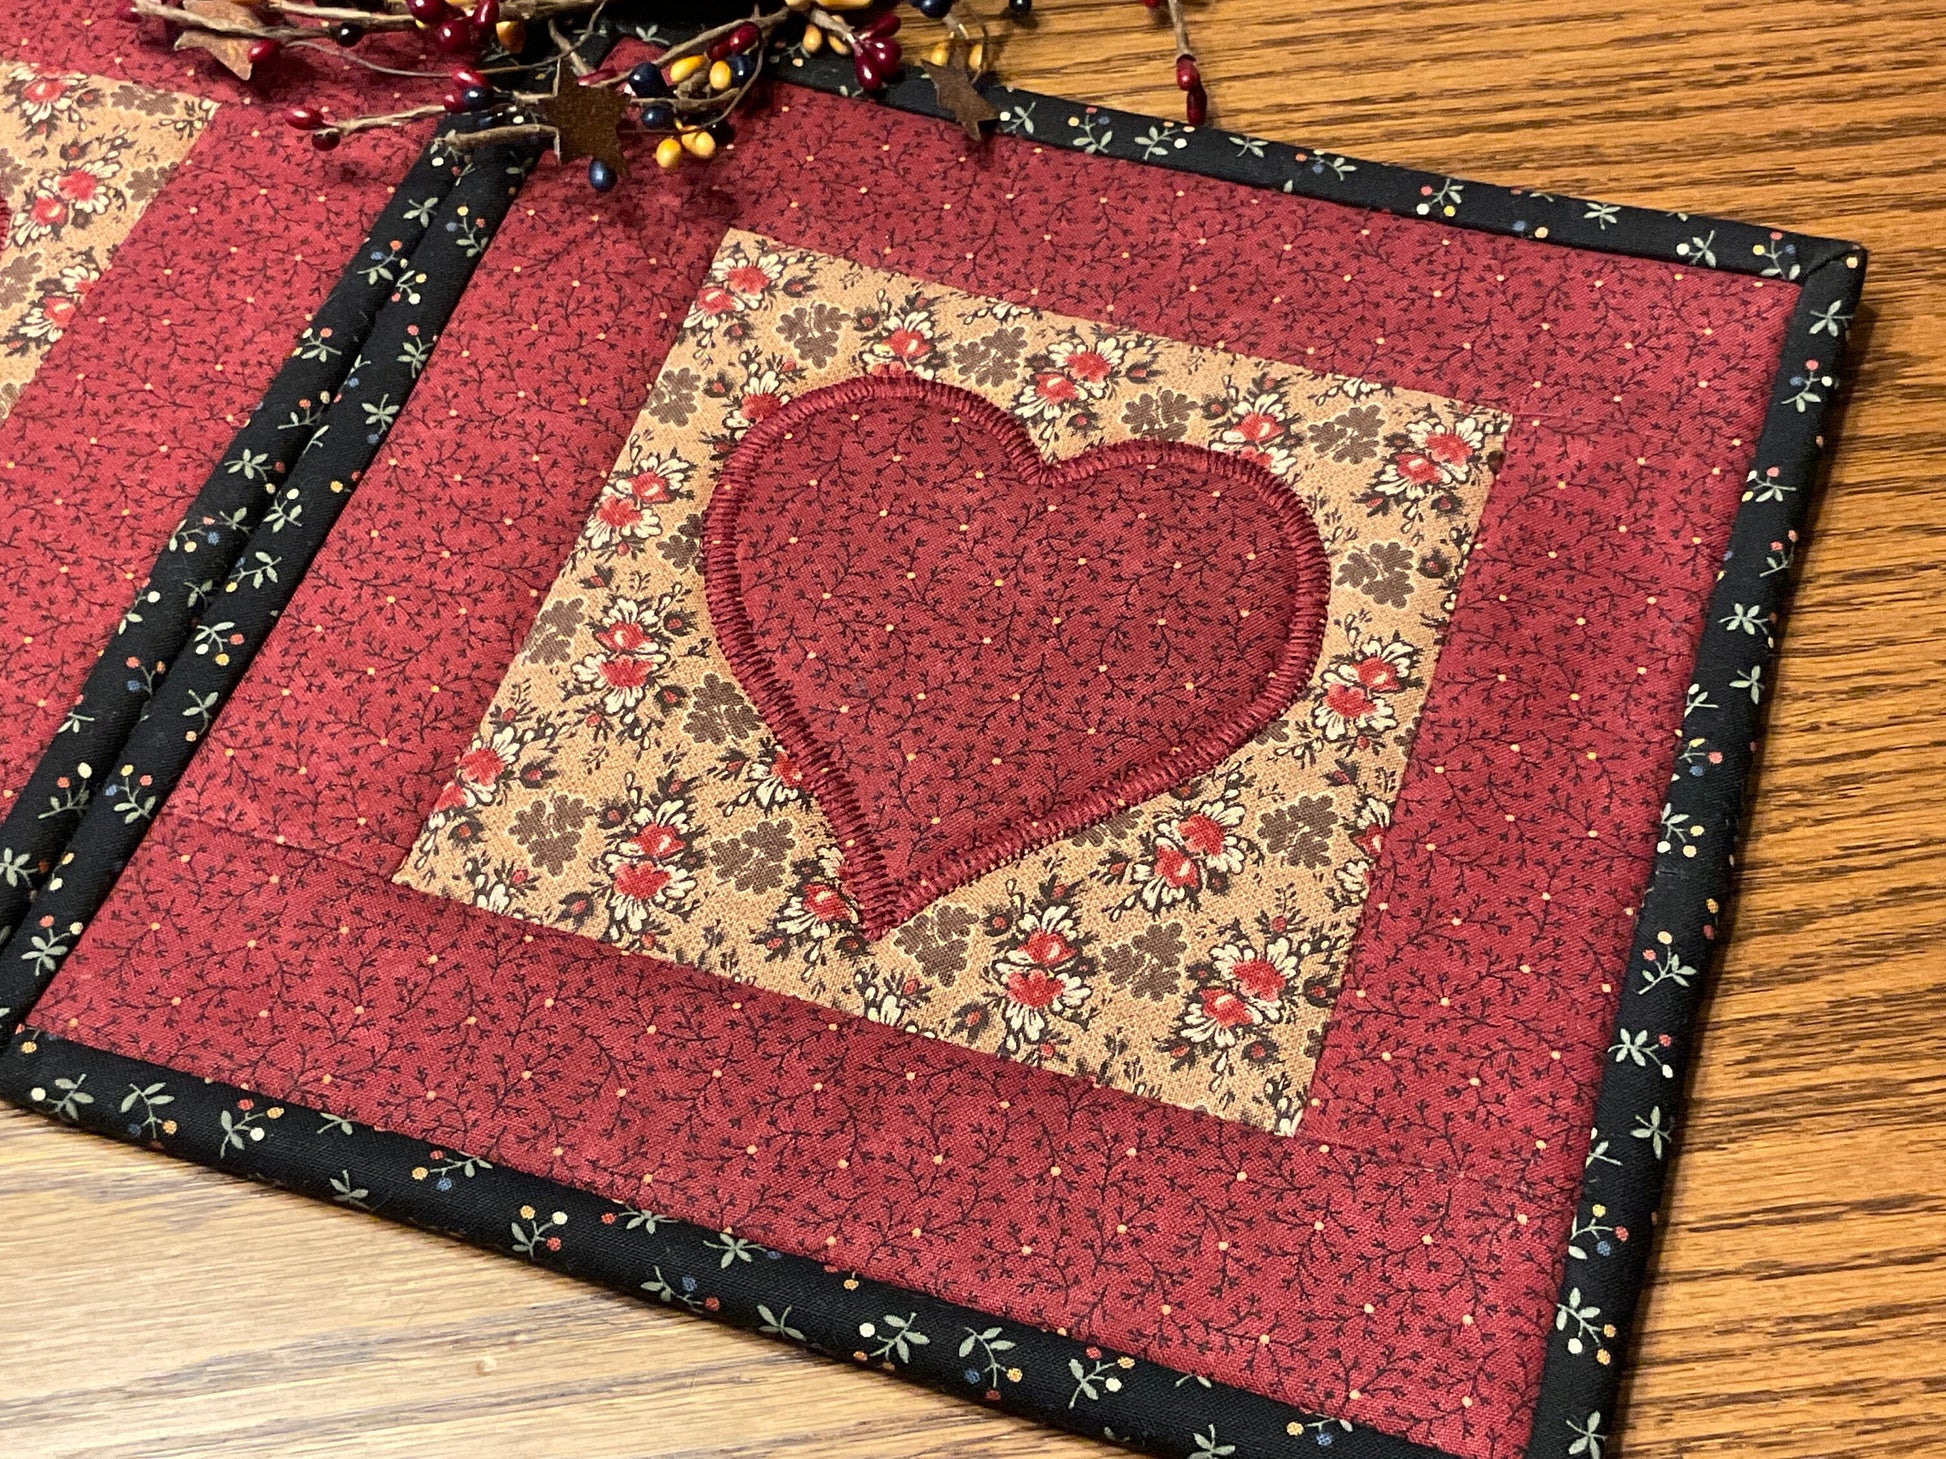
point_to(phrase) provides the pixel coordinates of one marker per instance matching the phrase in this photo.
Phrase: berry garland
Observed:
(517, 64)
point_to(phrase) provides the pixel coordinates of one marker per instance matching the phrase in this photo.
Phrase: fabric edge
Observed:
(1673, 955)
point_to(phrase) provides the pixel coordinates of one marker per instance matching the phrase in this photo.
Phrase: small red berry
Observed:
(1196, 105)
(324, 141)
(867, 71)
(1186, 73)
(886, 22)
(486, 15)
(261, 51)
(453, 35)
(466, 76)
(426, 12)
(304, 118)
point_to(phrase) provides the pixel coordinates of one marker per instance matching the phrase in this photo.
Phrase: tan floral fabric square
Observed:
(1186, 948)
(80, 157)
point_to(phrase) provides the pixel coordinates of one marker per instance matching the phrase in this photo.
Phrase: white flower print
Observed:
(1427, 460)
(626, 516)
(647, 871)
(819, 912)
(739, 281)
(630, 660)
(1356, 699)
(905, 341)
(73, 194)
(1041, 974)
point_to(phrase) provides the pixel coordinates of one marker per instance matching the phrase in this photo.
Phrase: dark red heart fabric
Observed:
(971, 651)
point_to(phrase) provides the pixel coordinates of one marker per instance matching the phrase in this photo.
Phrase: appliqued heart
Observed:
(970, 651)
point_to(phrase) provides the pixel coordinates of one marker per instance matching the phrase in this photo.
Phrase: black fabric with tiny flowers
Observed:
(1054, 1379)
(1041, 1375)
(278, 529)
(201, 551)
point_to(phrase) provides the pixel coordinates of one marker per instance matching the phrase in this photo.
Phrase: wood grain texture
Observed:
(1799, 1304)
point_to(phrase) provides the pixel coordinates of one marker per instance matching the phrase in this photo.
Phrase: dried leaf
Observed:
(585, 118)
(232, 50)
(957, 93)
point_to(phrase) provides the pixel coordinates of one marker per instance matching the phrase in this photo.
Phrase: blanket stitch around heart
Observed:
(848, 609)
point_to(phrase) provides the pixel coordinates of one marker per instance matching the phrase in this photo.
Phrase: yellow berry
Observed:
(512, 35)
(680, 71)
(976, 58)
(941, 53)
(668, 153)
(813, 41)
(699, 145)
(720, 78)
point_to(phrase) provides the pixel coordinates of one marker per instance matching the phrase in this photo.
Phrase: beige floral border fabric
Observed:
(80, 157)
(1187, 949)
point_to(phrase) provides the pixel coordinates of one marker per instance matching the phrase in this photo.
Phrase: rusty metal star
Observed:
(584, 119)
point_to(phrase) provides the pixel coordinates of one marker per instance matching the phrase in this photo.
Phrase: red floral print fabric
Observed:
(1395, 1261)
(973, 652)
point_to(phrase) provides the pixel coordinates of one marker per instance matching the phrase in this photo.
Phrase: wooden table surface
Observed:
(1799, 1304)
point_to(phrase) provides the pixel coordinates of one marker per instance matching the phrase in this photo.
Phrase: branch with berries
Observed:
(518, 66)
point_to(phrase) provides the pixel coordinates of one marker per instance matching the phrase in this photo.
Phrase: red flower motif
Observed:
(658, 840)
(1047, 948)
(1448, 448)
(1201, 834)
(482, 765)
(1177, 868)
(624, 673)
(1034, 989)
(826, 903)
(906, 344)
(1054, 387)
(623, 636)
(650, 486)
(1256, 427)
(1259, 979)
(619, 512)
(1225, 1007)
(1087, 365)
(1349, 701)
(640, 880)
(1379, 675)
(1418, 469)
